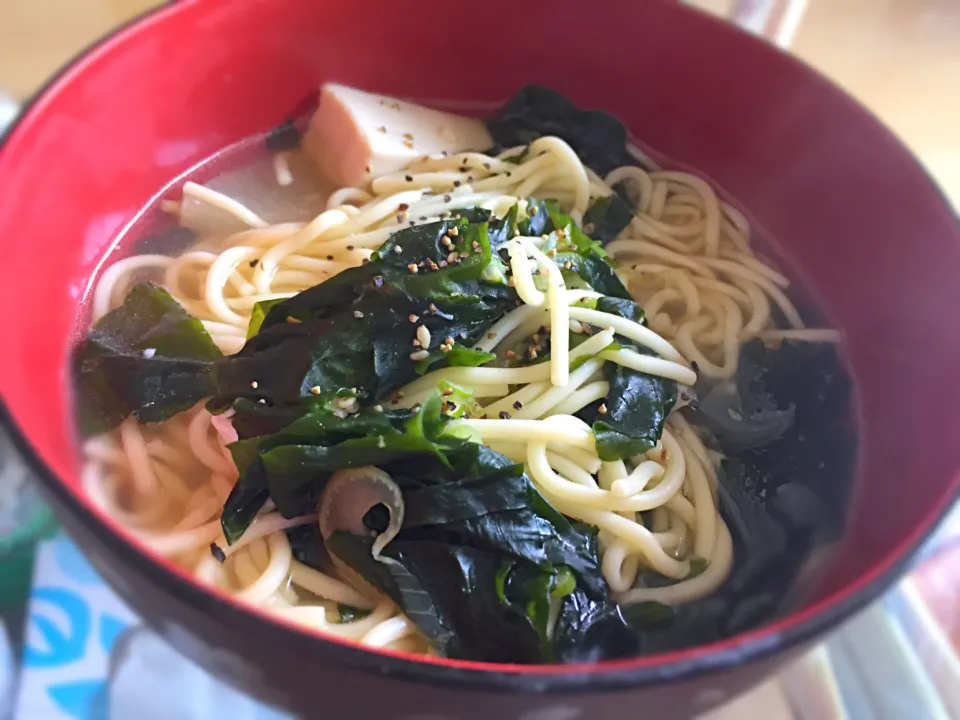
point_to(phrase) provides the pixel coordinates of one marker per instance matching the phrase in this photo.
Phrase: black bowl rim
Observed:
(753, 647)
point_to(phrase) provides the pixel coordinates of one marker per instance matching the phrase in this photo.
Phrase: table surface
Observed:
(898, 57)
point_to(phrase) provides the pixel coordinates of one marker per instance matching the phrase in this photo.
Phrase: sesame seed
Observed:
(602, 409)
(446, 241)
(419, 355)
(315, 390)
(218, 554)
(412, 268)
(463, 336)
(487, 165)
(254, 384)
(491, 335)
(453, 257)
(413, 318)
(423, 335)
(504, 415)
(382, 129)
(357, 314)
(349, 404)
(415, 343)
(408, 136)
(408, 144)
(532, 354)
(293, 321)
(449, 341)
(378, 408)
(510, 355)
(454, 231)
(149, 352)
(432, 308)
(517, 405)
(443, 263)
(397, 249)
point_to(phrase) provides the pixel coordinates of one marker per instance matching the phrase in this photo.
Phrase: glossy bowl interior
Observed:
(865, 226)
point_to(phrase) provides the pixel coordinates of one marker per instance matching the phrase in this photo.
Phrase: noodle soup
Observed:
(503, 392)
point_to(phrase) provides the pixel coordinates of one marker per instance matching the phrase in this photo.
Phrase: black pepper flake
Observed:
(517, 405)
(329, 257)
(350, 247)
(403, 207)
(504, 415)
(254, 263)
(218, 554)
(487, 165)
(508, 173)
(456, 183)
(695, 366)
(451, 406)
(408, 178)
(447, 198)
(378, 281)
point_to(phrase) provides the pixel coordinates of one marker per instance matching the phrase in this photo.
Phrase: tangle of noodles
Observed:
(685, 257)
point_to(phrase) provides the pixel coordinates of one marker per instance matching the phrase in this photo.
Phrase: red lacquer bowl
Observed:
(857, 214)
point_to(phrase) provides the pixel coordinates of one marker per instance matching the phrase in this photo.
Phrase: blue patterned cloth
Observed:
(87, 657)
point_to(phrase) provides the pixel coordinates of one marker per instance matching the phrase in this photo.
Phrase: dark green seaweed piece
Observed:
(148, 358)
(535, 111)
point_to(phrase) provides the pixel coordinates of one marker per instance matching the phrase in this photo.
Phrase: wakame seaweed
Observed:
(535, 111)
(630, 420)
(148, 358)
